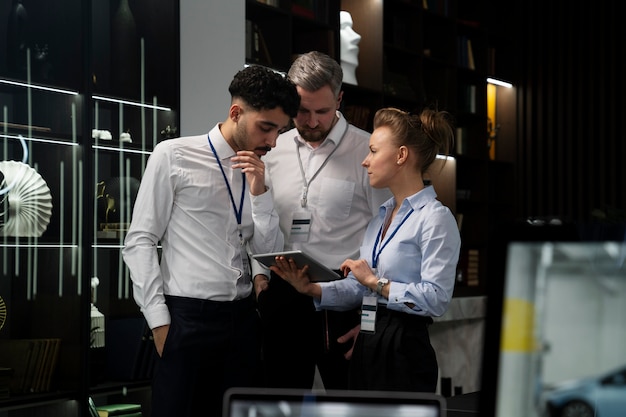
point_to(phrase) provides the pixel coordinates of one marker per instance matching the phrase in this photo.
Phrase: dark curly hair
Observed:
(264, 89)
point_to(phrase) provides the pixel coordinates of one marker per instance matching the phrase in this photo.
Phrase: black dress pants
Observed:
(296, 338)
(398, 356)
(211, 346)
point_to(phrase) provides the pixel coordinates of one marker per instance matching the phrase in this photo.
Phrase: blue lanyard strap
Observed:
(376, 255)
(238, 213)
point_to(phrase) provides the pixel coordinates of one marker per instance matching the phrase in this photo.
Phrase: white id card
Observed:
(300, 226)
(368, 313)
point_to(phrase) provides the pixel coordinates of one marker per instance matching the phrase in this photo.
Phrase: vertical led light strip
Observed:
(74, 192)
(76, 246)
(61, 223)
(120, 127)
(5, 149)
(143, 111)
(127, 218)
(120, 156)
(154, 122)
(35, 259)
(31, 249)
(95, 200)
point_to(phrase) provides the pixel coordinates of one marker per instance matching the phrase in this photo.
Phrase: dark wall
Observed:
(568, 62)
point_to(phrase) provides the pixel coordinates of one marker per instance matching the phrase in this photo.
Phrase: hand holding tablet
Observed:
(317, 271)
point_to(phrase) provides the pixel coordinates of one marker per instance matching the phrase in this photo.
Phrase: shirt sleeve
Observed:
(151, 213)
(267, 236)
(440, 244)
(341, 295)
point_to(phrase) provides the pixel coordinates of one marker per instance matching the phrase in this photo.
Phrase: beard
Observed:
(312, 135)
(240, 138)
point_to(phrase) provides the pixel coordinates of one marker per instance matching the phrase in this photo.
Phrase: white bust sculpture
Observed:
(349, 48)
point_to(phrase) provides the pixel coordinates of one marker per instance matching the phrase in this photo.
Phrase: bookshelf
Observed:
(276, 30)
(86, 108)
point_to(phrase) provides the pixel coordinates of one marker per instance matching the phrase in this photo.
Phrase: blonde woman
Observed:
(406, 271)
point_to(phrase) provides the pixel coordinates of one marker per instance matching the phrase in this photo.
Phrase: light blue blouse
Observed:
(419, 259)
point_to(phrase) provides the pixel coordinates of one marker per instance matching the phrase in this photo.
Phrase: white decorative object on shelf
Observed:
(97, 339)
(29, 200)
(101, 134)
(125, 137)
(349, 48)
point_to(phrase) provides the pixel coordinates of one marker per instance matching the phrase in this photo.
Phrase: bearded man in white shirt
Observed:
(321, 190)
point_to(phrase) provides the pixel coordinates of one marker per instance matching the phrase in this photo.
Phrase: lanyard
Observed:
(238, 213)
(376, 255)
(305, 190)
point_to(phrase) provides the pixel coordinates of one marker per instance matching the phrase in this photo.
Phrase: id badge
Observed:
(368, 313)
(245, 260)
(300, 226)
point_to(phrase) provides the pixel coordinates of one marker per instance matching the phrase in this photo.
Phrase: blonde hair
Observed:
(428, 133)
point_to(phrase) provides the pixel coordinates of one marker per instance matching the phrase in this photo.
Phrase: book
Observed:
(41, 347)
(459, 220)
(473, 256)
(471, 64)
(31, 370)
(50, 366)
(249, 40)
(461, 140)
(256, 47)
(119, 410)
(17, 354)
(135, 414)
(5, 382)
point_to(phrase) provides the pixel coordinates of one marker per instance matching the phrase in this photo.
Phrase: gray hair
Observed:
(313, 70)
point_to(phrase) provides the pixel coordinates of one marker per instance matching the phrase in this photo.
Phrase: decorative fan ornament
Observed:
(29, 200)
(3, 312)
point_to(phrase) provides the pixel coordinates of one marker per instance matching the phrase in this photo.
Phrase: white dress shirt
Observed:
(339, 197)
(183, 202)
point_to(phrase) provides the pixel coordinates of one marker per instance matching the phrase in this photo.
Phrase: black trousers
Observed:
(296, 338)
(210, 347)
(398, 356)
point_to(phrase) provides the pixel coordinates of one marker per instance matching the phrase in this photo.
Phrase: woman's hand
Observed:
(287, 269)
(361, 271)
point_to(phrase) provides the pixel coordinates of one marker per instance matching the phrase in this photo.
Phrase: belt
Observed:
(382, 311)
(199, 304)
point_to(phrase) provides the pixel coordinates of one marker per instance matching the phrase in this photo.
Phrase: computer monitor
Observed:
(277, 402)
(555, 341)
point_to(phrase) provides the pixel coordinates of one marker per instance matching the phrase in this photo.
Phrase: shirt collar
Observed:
(335, 135)
(422, 197)
(223, 149)
(416, 201)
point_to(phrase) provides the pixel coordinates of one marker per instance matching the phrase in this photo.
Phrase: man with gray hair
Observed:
(324, 202)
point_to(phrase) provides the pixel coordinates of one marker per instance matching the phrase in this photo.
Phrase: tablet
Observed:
(317, 271)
